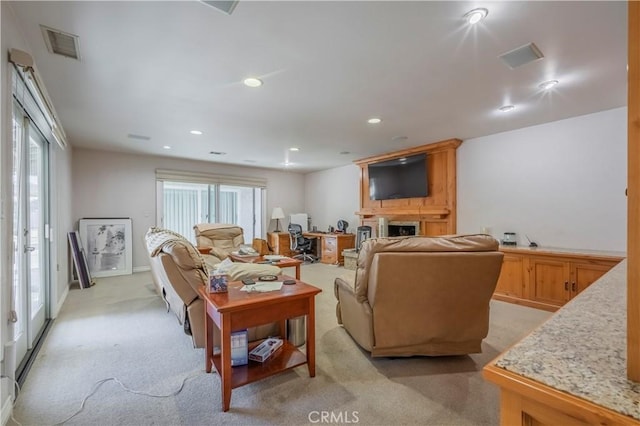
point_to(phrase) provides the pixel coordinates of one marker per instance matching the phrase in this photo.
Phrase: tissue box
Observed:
(264, 350)
(217, 282)
(239, 348)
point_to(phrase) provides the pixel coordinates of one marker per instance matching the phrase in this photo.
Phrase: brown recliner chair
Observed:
(179, 271)
(420, 295)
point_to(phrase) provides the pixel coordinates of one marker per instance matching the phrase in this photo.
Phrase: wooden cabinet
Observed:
(511, 280)
(555, 282)
(549, 278)
(280, 243)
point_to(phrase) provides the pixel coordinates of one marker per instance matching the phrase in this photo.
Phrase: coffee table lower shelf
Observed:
(285, 358)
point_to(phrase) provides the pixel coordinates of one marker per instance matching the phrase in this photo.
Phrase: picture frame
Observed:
(108, 245)
(80, 260)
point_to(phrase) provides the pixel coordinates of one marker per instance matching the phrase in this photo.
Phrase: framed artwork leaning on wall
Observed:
(80, 260)
(108, 245)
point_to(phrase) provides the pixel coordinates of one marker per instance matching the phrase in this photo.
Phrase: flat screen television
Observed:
(404, 177)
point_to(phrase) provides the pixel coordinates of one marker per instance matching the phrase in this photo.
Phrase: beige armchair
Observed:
(221, 238)
(179, 271)
(420, 295)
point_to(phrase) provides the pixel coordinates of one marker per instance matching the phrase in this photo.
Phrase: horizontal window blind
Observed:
(209, 178)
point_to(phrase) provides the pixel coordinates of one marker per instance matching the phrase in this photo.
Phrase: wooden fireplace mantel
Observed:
(436, 212)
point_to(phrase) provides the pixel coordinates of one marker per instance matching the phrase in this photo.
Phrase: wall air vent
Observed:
(61, 43)
(138, 137)
(224, 6)
(521, 55)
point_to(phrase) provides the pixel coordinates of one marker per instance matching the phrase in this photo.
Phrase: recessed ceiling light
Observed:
(345, 153)
(195, 132)
(374, 120)
(476, 15)
(293, 148)
(218, 153)
(166, 147)
(252, 82)
(506, 108)
(546, 85)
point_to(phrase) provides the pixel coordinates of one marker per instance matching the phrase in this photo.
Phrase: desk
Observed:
(330, 245)
(236, 310)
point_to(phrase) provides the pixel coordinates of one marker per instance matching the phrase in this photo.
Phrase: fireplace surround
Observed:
(402, 229)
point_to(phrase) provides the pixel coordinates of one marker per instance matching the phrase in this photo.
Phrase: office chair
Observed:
(300, 244)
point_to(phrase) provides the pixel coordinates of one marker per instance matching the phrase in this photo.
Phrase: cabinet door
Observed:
(511, 280)
(549, 281)
(329, 249)
(585, 274)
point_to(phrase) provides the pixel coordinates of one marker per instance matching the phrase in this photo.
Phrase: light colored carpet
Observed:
(120, 328)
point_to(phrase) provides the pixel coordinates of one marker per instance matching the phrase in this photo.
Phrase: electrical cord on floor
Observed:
(13, 403)
(99, 383)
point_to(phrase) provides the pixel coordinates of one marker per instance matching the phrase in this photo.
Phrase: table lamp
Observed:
(277, 214)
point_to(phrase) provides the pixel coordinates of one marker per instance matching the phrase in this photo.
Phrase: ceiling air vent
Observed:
(224, 6)
(61, 43)
(521, 55)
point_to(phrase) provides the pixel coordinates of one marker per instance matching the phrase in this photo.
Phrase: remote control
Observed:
(248, 281)
(288, 282)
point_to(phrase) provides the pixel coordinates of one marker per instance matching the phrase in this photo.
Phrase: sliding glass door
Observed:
(30, 219)
(185, 204)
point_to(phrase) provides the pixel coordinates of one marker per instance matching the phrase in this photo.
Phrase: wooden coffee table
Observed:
(238, 310)
(285, 262)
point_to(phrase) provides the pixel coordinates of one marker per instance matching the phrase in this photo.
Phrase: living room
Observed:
(560, 182)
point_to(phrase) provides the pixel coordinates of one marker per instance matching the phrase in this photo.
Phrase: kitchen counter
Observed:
(581, 349)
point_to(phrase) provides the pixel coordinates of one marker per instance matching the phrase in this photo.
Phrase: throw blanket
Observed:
(156, 238)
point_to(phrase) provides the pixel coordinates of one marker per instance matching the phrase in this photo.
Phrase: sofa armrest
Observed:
(346, 282)
(240, 271)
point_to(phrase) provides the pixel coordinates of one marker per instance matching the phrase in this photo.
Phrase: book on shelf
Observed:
(239, 348)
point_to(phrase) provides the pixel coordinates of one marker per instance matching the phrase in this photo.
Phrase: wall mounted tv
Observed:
(404, 177)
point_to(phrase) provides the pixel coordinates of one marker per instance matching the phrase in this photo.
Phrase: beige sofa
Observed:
(420, 295)
(179, 271)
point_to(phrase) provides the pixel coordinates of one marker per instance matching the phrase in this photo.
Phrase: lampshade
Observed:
(277, 213)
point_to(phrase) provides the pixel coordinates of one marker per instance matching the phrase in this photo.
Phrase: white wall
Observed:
(12, 37)
(333, 194)
(109, 184)
(561, 183)
(62, 223)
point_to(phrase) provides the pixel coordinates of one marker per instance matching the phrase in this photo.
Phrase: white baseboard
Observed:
(60, 302)
(141, 269)
(7, 410)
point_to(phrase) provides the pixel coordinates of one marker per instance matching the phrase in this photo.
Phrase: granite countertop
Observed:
(566, 251)
(581, 349)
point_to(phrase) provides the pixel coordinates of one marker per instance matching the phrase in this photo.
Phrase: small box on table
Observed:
(264, 350)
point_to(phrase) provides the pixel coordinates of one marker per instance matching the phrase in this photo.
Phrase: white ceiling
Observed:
(161, 69)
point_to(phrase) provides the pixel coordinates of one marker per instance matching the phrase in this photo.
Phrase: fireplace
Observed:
(401, 229)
